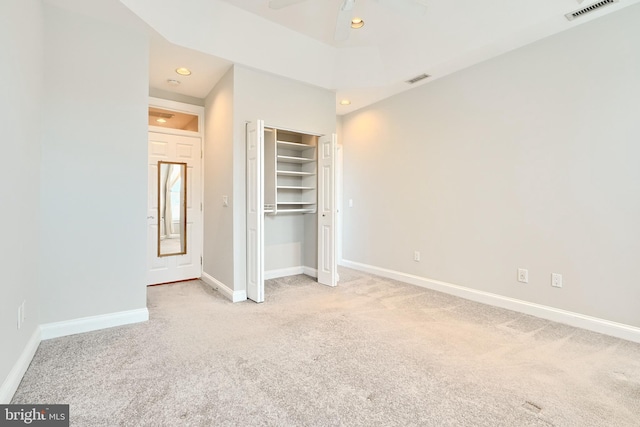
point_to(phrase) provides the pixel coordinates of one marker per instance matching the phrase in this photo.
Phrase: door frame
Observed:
(197, 110)
(254, 253)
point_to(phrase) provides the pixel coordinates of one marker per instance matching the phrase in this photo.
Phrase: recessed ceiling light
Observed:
(357, 23)
(183, 71)
(173, 82)
(161, 121)
(345, 102)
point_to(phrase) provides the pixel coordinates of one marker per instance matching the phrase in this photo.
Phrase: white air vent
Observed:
(416, 79)
(587, 9)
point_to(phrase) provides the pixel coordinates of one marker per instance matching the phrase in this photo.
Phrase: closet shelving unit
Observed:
(290, 172)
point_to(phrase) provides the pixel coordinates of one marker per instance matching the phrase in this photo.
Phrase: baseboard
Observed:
(234, 296)
(594, 324)
(311, 272)
(93, 323)
(11, 383)
(291, 271)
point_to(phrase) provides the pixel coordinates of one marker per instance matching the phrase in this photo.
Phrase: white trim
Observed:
(291, 271)
(93, 323)
(312, 272)
(594, 324)
(11, 383)
(234, 296)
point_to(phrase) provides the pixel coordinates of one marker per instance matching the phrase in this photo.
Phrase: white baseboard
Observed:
(11, 383)
(234, 296)
(594, 324)
(291, 271)
(93, 323)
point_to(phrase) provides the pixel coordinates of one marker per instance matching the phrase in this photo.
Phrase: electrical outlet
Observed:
(416, 256)
(556, 280)
(225, 200)
(523, 275)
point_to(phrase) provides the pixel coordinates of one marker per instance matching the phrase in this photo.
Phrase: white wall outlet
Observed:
(225, 200)
(556, 280)
(350, 203)
(523, 275)
(416, 256)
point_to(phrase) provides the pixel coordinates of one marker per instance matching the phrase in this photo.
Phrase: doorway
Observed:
(174, 195)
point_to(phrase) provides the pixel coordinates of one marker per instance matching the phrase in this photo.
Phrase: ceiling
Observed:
(297, 41)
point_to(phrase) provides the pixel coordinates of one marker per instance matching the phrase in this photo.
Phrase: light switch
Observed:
(350, 203)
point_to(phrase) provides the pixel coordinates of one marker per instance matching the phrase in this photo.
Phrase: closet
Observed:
(290, 174)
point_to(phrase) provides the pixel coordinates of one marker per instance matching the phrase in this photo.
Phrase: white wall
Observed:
(248, 95)
(218, 177)
(285, 103)
(21, 53)
(527, 160)
(94, 156)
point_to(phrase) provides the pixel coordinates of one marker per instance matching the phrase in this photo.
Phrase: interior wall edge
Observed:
(594, 324)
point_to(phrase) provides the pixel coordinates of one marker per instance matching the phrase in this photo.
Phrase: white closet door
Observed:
(255, 211)
(327, 209)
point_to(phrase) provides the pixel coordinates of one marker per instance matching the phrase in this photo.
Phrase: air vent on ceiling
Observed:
(416, 79)
(587, 9)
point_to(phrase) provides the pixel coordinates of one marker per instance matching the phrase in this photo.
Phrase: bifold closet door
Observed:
(327, 209)
(255, 211)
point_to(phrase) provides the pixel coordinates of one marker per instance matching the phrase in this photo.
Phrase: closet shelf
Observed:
(294, 145)
(296, 210)
(292, 159)
(293, 187)
(295, 203)
(295, 173)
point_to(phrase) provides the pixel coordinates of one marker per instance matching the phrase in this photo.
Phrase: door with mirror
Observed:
(174, 216)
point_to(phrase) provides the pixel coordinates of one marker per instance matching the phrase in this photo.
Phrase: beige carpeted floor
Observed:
(371, 352)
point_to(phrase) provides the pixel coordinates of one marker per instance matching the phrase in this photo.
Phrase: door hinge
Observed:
(200, 206)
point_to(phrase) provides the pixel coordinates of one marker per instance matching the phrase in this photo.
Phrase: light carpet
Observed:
(371, 352)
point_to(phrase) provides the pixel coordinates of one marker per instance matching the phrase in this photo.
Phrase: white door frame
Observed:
(189, 109)
(255, 208)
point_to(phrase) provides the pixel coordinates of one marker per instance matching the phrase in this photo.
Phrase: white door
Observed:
(180, 149)
(327, 209)
(255, 211)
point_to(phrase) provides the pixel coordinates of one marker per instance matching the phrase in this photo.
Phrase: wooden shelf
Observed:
(294, 173)
(295, 203)
(290, 170)
(292, 159)
(294, 145)
(296, 211)
(293, 187)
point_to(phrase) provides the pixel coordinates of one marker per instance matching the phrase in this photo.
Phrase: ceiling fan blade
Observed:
(343, 23)
(279, 4)
(410, 7)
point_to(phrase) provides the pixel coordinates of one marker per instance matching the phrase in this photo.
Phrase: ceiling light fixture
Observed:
(345, 102)
(183, 71)
(173, 82)
(161, 121)
(357, 23)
